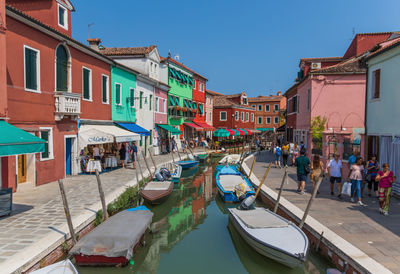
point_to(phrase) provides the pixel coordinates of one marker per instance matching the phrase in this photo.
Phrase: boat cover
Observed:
(229, 170)
(228, 182)
(157, 186)
(117, 236)
(259, 218)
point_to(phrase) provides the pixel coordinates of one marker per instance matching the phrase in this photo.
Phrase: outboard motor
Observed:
(159, 177)
(247, 203)
(165, 174)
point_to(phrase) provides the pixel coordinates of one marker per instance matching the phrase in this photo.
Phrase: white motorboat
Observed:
(271, 235)
(231, 159)
(63, 267)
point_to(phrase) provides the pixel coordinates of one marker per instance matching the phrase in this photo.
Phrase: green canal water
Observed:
(191, 234)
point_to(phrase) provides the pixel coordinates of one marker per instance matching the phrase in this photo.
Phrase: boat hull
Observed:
(265, 250)
(188, 164)
(156, 197)
(228, 195)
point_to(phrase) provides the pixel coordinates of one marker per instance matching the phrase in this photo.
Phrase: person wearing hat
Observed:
(335, 173)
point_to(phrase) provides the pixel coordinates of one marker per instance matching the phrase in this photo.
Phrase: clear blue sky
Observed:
(253, 46)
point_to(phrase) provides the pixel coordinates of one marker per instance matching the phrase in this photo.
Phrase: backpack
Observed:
(278, 151)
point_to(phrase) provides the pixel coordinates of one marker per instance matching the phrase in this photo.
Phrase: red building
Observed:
(233, 111)
(52, 80)
(199, 96)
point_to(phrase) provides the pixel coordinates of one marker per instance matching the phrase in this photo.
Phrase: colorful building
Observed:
(382, 97)
(291, 112)
(268, 111)
(199, 104)
(209, 108)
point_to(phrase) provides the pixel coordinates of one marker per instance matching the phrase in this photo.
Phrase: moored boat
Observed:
(188, 164)
(231, 159)
(174, 170)
(232, 185)
(113, 241)
(156, 192)
(63, 267)
(271, 235)
(202, 158)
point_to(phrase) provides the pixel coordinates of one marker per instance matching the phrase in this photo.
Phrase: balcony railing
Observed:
(67, 104)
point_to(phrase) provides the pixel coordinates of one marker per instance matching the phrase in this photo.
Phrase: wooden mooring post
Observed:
(102, 198)
(66, 211)
(151, 157)
(262, 180)
(140, 169)
(147, 165)
(252, 166)
(280, 191)
(314, 193)
(172, 155)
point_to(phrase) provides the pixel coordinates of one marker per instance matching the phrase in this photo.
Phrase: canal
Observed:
(191, 234)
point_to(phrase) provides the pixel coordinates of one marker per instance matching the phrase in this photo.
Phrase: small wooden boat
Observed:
(174, 169)
(114, 241)
(232, 159)
(271, 235)
(156, 192)
(188, 164)
(232, 185)
(63, 267)
(202, 158)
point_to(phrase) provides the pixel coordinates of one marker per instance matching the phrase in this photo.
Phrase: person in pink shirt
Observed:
(385, 177)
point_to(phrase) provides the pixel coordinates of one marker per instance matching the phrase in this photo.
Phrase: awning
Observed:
(241, 132)
(14, 141)
(206, 126)
(135, 128)
(102, 134)
(190, 104)
(172, 72)
(177, 101)
(201, 109)
(233, 132)
(247, 131)
(254, 130)
(172, 101)
(171, 129)
(265, 129)
(192, 125)
(185, 103)
(221, 133)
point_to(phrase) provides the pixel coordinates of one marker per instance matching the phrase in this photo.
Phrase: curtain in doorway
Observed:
(390, 153)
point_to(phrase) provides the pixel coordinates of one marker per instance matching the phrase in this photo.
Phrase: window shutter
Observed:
(377, 83)
(86, 77)
(118, 94)
(31, 69)
(45, 136)
(132, 99)
(104, 91)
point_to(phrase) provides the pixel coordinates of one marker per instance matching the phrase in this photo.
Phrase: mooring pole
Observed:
(179, 155)
(147, 165)
(140, 168)
(172, 154)
(66, 211)
(151, 156)
(280, 191)
(314, 193)
(137, 177)
(252, 165)
(262, 180)
(102, 198)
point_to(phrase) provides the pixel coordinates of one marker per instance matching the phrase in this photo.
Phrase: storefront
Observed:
(165, 133)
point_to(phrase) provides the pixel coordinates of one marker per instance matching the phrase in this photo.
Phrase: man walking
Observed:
(303, 165)
(335, 173)
(277, 153)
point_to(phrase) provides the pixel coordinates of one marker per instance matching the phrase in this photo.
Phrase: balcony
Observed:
(67, 104)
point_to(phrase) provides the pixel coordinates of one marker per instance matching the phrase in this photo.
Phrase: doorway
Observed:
(22, 169)
(68, 156)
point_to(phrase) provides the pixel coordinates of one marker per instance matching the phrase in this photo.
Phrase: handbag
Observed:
(346, 189)
(307, 169)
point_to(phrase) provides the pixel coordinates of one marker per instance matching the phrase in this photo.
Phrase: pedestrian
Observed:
(296, 152)
(317, 170)
(173, 143)
(291, 151)
(122, 154)
(372, 171)
(167, 146)
(134, 154)
(303, 168)
(355, 177)
(302, 146)
(285, 154)
(277, 153)
(258, 144)
(385, 177)
(335, 173)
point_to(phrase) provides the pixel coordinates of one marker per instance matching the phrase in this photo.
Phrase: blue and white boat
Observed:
(232, 185)
(188, 164)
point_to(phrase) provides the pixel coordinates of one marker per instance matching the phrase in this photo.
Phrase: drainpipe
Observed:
(365, 115)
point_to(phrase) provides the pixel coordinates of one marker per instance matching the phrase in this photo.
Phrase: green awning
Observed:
(15, 141)
(237, 132)
(172, 72)
(265, 129)
(171, 129)
(221, 133)
(171, 100)
(191, 81)
(190, 104)
(194, 105)
(201, 109)
(177, 101)
(185, 103)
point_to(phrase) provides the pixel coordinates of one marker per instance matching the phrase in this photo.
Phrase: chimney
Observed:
(94, 43)
(279, 93)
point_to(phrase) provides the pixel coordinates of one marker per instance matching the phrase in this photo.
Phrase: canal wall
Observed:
(339, 251)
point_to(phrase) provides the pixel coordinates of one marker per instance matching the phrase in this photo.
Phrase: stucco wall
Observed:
(383, 113)
(208, 106)
(303, 116)
(161, 116)
(3, 73)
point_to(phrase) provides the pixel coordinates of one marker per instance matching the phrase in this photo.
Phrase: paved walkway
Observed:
(38, 221)
(364, 227)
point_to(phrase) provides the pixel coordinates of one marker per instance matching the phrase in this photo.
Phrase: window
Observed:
(222, 116)
(210, 116)
(195, 84)
(118, 94)
(62, 17)
(252, 117)
(141, 141)
(150, 101)
(266, 108)
(247, 116)
(32, 69)
(104, 89)
(205, 116)
(47, 135)
(268, 120)
(132, 97)
(276, 120)
(308, 99)
(253, 106)
(236, 115)
(87, 84)
(165, 106)
(151, 137)
(62, 68)
(157, 102)
(151, 66)
(259, 108)
(259, 120)
(141, 100)
(294, 104)
(244, 99)
(276, 107)
(242, 116)
(376, 84)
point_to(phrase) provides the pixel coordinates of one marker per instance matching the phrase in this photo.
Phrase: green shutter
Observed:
(132, 97)
(45, 136)
(141, 141)
(150, 101)
(62, 69)
(86, 84)
(117, 94)
(61, 15)
(151, 137)
(104, 89)
(30, 69)
(140, 100)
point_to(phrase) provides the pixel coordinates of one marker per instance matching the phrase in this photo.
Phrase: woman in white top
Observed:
(355, 176)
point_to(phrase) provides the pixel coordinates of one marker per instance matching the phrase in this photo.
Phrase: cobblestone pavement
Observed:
(37, 211)
(364, 227)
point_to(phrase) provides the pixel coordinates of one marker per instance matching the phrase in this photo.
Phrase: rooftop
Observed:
(127, 51)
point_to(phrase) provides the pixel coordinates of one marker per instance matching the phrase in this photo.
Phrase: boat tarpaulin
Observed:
(135, 128)
(171, 129)
(15, 141)
(101, 134)
(206, 126)
(117, 236)
(192, 125)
